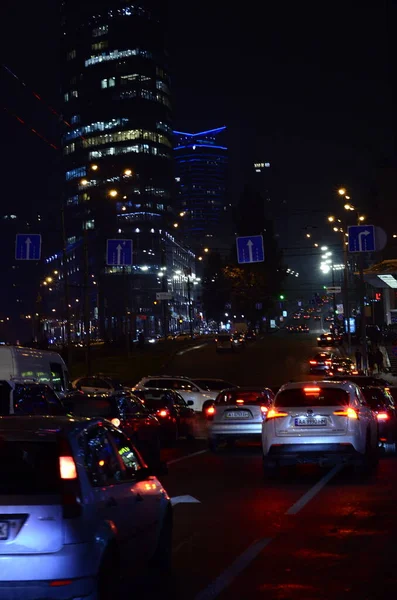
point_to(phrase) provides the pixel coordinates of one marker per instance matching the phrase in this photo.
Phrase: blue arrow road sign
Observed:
(361, 238)
(119, 253)
(28, 246)
(250, 249)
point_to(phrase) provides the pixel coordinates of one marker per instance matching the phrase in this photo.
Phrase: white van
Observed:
(31, 364)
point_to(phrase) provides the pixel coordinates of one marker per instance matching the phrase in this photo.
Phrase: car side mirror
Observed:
(190, 402)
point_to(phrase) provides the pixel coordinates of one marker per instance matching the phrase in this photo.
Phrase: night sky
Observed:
(305, 85)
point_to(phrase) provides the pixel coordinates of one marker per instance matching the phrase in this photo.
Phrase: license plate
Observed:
(310, 422)
(4, 530)
(237, 414)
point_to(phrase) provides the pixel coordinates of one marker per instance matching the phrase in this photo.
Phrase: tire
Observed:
(109, 576)
(213, 444)
(162, 557)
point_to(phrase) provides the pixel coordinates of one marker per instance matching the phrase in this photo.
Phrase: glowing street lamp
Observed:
(128, 172)
(113, 193)
(94, 167)
(342, 192)
(331, 219)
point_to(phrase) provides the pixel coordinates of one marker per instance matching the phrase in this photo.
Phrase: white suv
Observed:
(324, 423)
(78, 508)
(199, 391)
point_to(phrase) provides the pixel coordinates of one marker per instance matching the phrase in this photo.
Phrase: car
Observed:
(224, 342)
(185, 386)
(342, 366)
(29, 398)
(238, 340)
(296, 316)
(319, 422)
(382, 403)
(79, 508)
(317, 318)
(328, 339)
(127, 413)
(292, 328)
(329, 319)
(321, 362)
(362, 380)
(206, 384)
(303, 329)
(238, 413)
(98, 384)
(174, 414)
(251, 336)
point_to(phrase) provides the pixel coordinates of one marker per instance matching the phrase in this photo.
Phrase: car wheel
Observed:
(213, 444)
(109, 575)
(162, 557)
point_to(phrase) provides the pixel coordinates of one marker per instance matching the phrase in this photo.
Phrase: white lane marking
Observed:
(295, 508)
(184, 500)
(176, 460)
(181, 352)
(228, 576)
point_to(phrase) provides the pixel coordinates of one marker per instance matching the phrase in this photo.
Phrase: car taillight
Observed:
(239, 401)
(116, 422)
(312, 362)
(382, 416)
(70, 487)
(349, 412)
(162, 413)
(328, 362)
(67, 467)
(274, 414)
(210, 410)
(264, 411)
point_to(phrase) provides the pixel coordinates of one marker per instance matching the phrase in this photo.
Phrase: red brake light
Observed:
(264, 409)
(274, 414)
(60, 582)
(382, 416)
(239, 401)
(116, 422)
(210, 410)
(162, 413)
(312, 362)
(311, 390)
(67, 467)
(350, 413)
(328, 362)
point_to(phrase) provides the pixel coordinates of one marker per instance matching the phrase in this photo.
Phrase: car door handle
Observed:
(139, 498)
(111, 502)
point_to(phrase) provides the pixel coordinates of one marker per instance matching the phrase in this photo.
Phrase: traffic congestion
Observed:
(107, 485)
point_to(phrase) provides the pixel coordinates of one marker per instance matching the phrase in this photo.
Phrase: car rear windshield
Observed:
(28, 468)
(322, 356)
(212, 386)
(374, 397)
(312, 396)
(249, 397)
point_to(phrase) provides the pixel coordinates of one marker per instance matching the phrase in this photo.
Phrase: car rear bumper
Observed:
(78, 562)
(291, 454)
(78, 589)
(235, 430)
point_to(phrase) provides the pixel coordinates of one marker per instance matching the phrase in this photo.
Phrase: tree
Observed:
(216, 288)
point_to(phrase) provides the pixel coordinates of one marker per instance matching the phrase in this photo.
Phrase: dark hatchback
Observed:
(127, 413)
(176, 417)
(382, 404)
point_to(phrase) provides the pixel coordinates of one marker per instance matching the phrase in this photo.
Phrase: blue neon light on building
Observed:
(201, 168)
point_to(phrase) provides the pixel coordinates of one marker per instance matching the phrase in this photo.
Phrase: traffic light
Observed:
(282, 297)
(378, 296)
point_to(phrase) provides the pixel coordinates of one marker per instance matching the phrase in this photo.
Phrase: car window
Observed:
(55, 405)
(156, 383)
(312, 396)
(28, 467)
(247, 396)
(375, 398)
(101, 461)
(126, 452)
(30, 400)
(100, 383)
(183, 386)
(129, 406)
(83, 382)
(179, 400)
(210, 385)
(57, 377)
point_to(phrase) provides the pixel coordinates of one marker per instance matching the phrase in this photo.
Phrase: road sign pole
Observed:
(334, 295)
(86, 313)
(66, 288)
(346, 311)
(363, 317)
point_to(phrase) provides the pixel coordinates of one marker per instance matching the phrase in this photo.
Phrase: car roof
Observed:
(206, 379)
(348, 386)
(256, 388)
(42, 426)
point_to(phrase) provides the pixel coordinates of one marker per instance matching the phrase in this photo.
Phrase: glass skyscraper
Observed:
(201, 169)
(117, 153)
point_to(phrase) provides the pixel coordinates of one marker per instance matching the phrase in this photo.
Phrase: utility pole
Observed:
(346, 310)
(164, 288)
(190, 306)
(127, 311)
